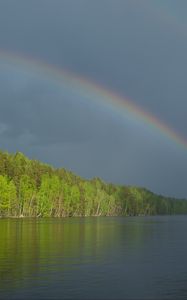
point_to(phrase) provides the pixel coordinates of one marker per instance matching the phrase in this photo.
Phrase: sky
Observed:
(134, 48)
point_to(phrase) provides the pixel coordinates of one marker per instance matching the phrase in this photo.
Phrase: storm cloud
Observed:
(135, 48)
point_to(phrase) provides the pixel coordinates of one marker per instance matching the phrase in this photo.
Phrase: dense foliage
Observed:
(33, 189)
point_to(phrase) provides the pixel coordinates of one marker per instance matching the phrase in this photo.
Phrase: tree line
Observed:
(33, 189)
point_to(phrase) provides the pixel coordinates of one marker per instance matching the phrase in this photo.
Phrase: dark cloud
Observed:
(137, 48)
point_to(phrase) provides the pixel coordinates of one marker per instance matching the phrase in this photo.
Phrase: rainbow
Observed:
(99, 93)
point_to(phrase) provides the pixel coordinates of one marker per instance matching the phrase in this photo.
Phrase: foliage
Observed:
(33, 189)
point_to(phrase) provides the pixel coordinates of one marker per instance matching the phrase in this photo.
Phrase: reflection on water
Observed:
(96, 257)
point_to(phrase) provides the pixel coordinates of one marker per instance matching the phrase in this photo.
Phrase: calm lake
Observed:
(94, 258)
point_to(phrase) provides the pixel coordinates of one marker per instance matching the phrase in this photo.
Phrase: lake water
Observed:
(94, 258)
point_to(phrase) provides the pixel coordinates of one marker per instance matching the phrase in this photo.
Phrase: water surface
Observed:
(94, 258)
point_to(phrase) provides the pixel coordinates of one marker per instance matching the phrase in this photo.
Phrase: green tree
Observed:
(26, 195)
(43, 197)
(8, 197)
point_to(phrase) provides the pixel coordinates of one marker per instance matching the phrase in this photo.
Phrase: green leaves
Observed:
(8, 196)
(30, 188)
(26, 193)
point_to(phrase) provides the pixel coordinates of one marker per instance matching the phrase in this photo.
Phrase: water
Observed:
(94, 258)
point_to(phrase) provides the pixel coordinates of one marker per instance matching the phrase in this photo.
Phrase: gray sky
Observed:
(135, 48)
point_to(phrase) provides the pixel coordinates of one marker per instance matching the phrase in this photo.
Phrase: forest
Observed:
(29, 188)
